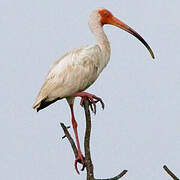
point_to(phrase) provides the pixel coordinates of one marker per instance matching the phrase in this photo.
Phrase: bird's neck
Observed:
(102, 41)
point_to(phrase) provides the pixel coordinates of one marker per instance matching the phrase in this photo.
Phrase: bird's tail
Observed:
(43, 104)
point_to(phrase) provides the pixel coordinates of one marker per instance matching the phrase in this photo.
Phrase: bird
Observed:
(79, 68)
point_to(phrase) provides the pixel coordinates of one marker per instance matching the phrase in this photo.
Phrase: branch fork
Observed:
(88, 162)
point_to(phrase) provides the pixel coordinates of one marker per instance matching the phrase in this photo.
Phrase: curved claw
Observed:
(99, 100)
(92, 99)
(76, 167)
(91, 107)
(82, 102)
(93, 104)
(80, 159)
(82, 169)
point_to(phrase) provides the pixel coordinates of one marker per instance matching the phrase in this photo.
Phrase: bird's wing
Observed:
(73, 72)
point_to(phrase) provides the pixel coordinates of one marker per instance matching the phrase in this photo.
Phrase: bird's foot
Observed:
(91, 98)
(80, 159)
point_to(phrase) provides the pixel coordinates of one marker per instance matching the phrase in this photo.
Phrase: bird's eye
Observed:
(105, 14)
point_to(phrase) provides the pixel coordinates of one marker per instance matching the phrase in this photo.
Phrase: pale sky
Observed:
(139, 129)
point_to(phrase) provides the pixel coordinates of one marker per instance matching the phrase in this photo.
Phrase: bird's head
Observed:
(106, 17)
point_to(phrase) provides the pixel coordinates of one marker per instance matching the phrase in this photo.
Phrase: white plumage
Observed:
(79, 68)
(72, 73)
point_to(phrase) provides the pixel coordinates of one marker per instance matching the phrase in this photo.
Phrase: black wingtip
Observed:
(45, 103)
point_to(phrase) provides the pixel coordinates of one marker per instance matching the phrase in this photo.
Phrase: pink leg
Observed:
(92, 99)
(80, 158)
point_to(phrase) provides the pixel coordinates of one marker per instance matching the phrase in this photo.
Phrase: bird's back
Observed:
(74, 72)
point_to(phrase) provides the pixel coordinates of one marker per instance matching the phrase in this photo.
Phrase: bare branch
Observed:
(116, 177)
(73, 145)
(89, 165)
(88, 161)
(170, 172)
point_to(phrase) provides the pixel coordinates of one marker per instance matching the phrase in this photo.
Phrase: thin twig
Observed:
(170, 173)
(116, 177)
(73, 145)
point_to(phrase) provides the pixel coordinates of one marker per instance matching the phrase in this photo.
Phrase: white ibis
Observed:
(78, 69)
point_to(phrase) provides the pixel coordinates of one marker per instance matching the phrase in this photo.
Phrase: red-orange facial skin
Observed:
(106, 16)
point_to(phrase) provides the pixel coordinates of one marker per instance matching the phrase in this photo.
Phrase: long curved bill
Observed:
(116, 22)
